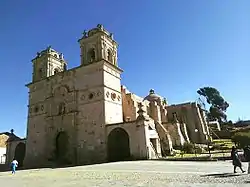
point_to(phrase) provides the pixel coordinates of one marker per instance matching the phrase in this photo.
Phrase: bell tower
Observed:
(96, 45)
(99, 60)
(47, 63)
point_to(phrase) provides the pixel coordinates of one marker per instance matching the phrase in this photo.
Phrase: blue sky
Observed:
(174, 47)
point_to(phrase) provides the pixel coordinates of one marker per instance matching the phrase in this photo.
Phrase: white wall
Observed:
(2, 157)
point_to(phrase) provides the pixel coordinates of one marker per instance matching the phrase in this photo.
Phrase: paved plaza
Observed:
(136, 173)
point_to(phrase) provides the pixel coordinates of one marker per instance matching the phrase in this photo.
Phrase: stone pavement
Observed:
(136, 173)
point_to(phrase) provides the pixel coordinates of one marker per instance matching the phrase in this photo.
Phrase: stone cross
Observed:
(84, 33)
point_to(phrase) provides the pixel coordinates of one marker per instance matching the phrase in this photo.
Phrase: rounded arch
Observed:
(56, 70)
(61, 108)
(20, 153)
(91, 55)
(109, 55)
(118, 145)
(61, 90)
(62, 145)
(40, 72)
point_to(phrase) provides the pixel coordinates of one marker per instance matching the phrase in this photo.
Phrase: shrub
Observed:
(241, 139)
(216, 147)
(224, 148)
(188, 148)
(198, 150)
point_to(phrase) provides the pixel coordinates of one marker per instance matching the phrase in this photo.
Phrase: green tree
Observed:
(241, 139)
(218, 106)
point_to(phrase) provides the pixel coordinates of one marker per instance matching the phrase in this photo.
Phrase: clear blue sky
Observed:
(174, 47)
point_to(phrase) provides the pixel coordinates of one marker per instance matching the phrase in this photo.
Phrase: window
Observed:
(91, 95)
(56, 71)
(61, 108)
(109, 55)
(55, 55)
(41, 72)
(91, 55)
(36, 109)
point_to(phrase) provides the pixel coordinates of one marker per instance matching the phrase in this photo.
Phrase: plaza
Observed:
(136, 173)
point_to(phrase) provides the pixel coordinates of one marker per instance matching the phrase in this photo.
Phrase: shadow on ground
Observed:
(221, 175)
(4, 167)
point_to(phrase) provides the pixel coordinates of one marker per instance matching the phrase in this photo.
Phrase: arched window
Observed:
(56, 71)
(41, 72)
(109, 55)
(61, 108)
(91, 55)
(55, 55)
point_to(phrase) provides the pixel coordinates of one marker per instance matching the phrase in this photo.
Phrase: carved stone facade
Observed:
(175, 124)
(84, 115)
(194, 119)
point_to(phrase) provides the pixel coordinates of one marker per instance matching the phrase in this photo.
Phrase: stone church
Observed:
(84, 115)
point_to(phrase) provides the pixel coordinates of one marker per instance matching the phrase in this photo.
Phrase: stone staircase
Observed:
(153, 152)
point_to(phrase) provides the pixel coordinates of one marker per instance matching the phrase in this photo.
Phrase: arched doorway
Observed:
(62, 146)
(118, 145)
(20, 153)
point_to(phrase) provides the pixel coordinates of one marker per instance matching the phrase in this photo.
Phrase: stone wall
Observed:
(130, 103)
(11, 149)
(190, 114)
(2, 155)
(137, 138)
(80, 102)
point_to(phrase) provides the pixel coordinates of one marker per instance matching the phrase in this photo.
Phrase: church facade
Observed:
(84, 115)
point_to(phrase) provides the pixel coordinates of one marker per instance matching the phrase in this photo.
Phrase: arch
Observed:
(61, 108)
(91, 55)
(109, 55)
(20, 153)
(56, 71)
(61, 90)
(62, 145)
(40, 72)
(118, 145)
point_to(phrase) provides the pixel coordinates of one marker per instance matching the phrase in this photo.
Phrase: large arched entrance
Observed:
(20, 153)
(62, 146)
(118, 145)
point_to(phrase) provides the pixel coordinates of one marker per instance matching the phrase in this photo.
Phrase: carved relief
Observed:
(113, 96)
(107, 94)
(119, 98)
(99, 93)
